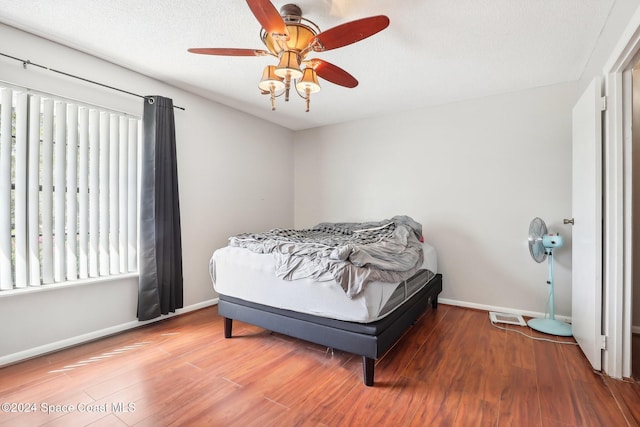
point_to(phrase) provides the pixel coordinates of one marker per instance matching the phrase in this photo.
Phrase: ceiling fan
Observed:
(290, 38)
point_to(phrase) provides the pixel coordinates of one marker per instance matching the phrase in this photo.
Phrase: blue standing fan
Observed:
(541, 247)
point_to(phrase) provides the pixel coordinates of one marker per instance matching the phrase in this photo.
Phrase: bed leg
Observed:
(434, 302)
(368, 366)
(228, 325)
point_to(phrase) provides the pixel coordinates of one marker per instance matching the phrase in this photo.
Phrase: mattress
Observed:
(240, 273)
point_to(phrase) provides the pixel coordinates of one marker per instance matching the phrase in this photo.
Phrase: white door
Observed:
(586, 255)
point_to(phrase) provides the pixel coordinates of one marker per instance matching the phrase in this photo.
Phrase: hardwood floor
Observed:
(453, 368)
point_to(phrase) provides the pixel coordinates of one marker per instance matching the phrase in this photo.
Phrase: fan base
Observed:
(551, 327)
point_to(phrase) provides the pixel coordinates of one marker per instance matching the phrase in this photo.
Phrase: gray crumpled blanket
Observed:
(352, 254)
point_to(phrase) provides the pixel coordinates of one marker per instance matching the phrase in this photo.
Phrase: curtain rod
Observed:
(28, 62)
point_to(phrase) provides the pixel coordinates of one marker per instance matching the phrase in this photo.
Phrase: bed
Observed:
(341, 303)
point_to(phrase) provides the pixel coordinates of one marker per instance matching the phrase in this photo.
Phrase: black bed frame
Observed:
(369, 340)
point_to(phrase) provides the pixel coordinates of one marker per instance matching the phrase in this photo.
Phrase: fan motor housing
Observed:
(552, 240)
(291, 13)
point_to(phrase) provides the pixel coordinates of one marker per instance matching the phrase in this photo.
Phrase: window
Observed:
(68, 190)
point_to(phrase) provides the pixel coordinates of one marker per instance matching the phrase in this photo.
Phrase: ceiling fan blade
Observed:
(268, 16)
(349, 32)
(229, 51)
(333, 73)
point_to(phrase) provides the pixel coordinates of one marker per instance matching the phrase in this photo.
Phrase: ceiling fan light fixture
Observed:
(270, 80)
(309, 81)
(290, 37)
(289, 65)
(271, 83)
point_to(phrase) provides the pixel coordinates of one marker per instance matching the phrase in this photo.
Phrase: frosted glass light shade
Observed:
(309, 81)
(269, 78)
(289, 63)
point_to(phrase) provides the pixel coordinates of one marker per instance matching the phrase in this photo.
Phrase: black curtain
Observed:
(160, 253)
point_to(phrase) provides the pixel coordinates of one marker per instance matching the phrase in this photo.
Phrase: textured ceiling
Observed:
(433, 52)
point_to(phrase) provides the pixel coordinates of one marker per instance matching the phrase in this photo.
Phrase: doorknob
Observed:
(567, 221)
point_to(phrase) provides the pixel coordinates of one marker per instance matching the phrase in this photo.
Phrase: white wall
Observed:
(231, 166)
(473, 173)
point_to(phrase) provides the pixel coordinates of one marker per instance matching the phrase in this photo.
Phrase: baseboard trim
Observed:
(499, 309)
(92, 336)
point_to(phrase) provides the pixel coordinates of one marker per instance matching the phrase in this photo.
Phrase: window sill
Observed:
(65, 285)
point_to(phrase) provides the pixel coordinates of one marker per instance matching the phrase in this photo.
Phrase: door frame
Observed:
(617, 227)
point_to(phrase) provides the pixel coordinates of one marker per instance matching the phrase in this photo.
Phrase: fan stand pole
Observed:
(551, 326)
(552, 304)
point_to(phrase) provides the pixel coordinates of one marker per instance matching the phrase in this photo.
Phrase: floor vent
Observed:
(512, 319)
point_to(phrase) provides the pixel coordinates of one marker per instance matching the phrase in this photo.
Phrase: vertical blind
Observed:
(68, 190)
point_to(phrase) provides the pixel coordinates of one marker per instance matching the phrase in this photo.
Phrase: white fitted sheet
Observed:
(250, 276)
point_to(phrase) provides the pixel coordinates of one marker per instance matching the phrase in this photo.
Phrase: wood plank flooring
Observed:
(452, 368)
